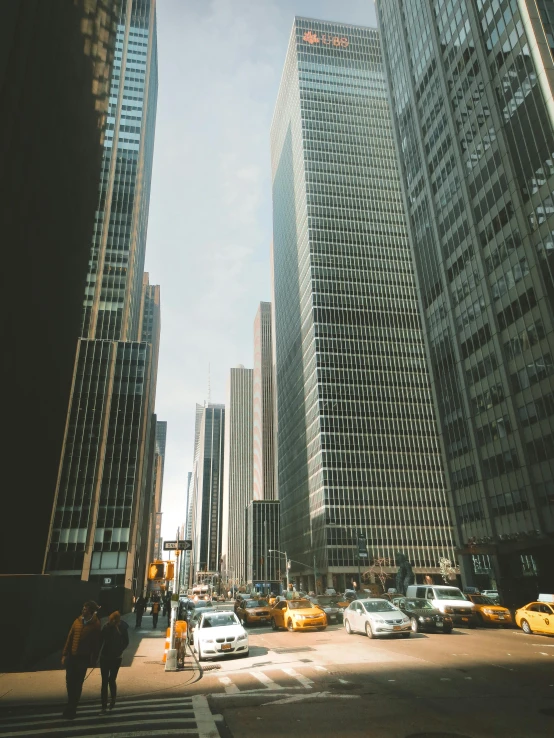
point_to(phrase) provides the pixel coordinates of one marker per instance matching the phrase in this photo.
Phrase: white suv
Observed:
(449, 600)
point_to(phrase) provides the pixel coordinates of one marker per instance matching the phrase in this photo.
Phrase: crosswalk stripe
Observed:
(186, 703)
(58, 718)
(230, 688)
(127, 734)
(264, 679)
(305, 681)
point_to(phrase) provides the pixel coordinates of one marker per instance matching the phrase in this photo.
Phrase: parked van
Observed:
(449, 600)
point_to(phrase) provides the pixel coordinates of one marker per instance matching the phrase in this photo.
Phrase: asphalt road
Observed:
(469, 684)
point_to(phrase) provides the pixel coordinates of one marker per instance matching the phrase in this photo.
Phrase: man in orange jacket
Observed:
(80, 652)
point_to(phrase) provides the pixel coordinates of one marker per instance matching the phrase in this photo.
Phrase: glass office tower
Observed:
(205, 519)
(471, 95)
(99, 523)
(238, 469)
(264, 405)
(357, 441)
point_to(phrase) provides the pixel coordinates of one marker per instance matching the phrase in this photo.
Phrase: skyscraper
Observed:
(357, 442)
(263, 439)
(55, 70)
(239, 460)
(207, 490)
(471, 93)
(99, 522)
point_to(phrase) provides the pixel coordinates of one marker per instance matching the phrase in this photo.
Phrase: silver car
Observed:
(375, 618)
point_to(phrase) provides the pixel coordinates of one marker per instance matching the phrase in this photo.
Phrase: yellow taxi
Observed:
(297, 615)
(253, 611)
(488, 612)
(536, 617)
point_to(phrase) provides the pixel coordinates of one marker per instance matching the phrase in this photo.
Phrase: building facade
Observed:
(100, 519)
(238, 472)
(358, 448)
(207, 492)
(51, 134)
(471, 95)
(264, 404)
(265, 565)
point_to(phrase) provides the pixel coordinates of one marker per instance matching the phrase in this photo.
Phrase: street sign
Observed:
(177, 545)
(362, 547)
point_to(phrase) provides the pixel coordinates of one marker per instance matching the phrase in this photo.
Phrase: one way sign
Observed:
(177, 545)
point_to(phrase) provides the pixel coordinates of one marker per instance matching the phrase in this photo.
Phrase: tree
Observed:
(448, 572)
(377, 569)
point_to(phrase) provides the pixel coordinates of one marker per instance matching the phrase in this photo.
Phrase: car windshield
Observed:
(449, 593)
(482, 600)
(300, 604)
(256, 603)
(378, 605)
(420, 604)
(217, 620)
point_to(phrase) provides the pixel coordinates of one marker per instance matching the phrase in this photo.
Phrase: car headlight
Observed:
(438, 618)
(488, 611)
(242, 637)
(300, 617)
(421, 619)
(449, 609)
(341, 609)
(207, 640)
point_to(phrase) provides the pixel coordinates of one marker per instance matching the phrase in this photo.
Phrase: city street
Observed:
(470, 684)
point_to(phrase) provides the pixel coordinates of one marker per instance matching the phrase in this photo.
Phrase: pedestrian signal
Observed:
(170, 573)
(156, 571)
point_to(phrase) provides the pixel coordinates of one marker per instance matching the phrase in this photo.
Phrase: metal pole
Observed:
(266, 553)
(359, 570)
(315, 577)
(287, 568)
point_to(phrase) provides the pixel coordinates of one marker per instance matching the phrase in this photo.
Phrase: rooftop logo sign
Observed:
(312, 38)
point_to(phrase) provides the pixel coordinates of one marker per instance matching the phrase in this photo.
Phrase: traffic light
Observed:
(170, 571)
(156, 571)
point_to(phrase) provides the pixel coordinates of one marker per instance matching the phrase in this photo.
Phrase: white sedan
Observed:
(219, 634)
(376, 617)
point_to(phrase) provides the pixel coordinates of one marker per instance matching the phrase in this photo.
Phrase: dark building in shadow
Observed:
(55, 69)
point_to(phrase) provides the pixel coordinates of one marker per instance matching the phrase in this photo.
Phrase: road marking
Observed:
(445, 679)
(320, 668)
(230, 688)
(311, 696)
(60, 730)
(307, 683)
(264, 679)
(499, 666)
(204, 719)
(343, 681)
(542, 645)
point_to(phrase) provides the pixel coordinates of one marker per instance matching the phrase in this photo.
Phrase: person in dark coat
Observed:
(140, 606)
(114, 640)
(79, 653)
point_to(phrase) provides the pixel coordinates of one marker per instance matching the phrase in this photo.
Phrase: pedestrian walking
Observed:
(140, 606)
(114, 640)
(79, 653)
(155, 613)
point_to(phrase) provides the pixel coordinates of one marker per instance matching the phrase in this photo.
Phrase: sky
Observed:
(210, 225)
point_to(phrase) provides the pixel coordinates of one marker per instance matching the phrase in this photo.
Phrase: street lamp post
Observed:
(283, 553)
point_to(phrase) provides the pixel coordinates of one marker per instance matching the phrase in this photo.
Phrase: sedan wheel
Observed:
(274, 624)
(200, 656)
(526, 628)
(347, 627)
(290, 627)
(244, 623)
(368, 631)
(415, 625)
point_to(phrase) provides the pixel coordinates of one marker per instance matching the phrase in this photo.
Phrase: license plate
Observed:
(226, 647)
(263, 620)
(465, 619)
(396, 627)
(332, 617)
(501, 617)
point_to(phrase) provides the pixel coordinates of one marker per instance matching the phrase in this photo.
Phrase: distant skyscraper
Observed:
(55, 70)
(103, 497)
(471, 90)
(262, 537)
(357, 442)
(161, 437)
(207, 491)
(237, 483)
(264, 421)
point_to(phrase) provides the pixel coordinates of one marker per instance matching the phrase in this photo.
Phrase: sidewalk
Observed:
(142, 672)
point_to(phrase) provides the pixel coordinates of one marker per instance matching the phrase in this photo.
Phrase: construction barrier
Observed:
(167, 644)
(180, 641)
